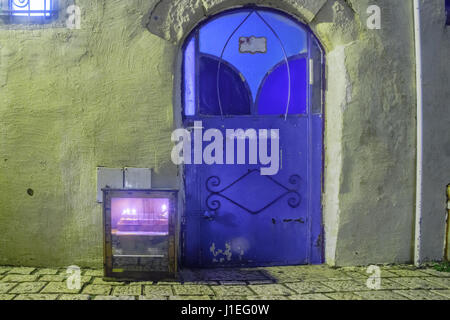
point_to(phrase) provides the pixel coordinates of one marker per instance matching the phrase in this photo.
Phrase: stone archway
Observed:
(173, 19)
(357, 70)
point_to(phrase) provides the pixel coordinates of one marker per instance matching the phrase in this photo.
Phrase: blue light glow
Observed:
(253, 67)
(189, 78)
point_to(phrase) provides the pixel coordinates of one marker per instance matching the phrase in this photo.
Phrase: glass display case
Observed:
(139, 234)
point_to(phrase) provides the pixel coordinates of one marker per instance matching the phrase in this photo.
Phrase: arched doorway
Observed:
(259, 202)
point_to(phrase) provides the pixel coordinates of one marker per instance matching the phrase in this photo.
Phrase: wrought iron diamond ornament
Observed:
(213, 201)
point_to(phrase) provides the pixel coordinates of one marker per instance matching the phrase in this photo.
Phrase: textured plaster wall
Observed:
(370, 143)
(375, 177)
(72, 100)
(436, 144)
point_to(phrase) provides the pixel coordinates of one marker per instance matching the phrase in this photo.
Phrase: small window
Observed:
(29, 11)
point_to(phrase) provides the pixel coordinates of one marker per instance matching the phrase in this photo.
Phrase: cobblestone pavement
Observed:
(274, 283)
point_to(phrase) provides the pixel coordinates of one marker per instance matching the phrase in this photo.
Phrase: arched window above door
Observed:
(251, 61)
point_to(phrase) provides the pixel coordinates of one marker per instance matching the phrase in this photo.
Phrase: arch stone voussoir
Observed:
(172, 20)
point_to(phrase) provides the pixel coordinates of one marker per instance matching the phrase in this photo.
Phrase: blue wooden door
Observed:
(254, 70)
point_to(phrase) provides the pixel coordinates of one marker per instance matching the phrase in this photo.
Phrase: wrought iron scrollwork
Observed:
(213, 201)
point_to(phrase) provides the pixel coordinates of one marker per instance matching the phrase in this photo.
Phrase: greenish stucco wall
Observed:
(72, 100)
(436, 138)
(370, 143)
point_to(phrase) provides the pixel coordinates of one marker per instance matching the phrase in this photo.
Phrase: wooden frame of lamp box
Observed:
(122, 274)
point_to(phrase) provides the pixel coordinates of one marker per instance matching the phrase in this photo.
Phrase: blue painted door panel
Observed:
(234, 216)
(257, 220)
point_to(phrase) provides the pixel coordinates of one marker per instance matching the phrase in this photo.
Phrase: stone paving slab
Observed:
(19, 278)
(21, 270)
(391, 284)
(158, 298)
(344, 296)
(85, 279)
(308, 287)
(308, 273)
(190, 298)
(346, 285)
(271, 290)
(440, 281)
(127, 290)
(267, 298)
(409, 273)
(62, 277)
(274, 283)
(207, 283)
(312, 296)
(36, 297)
(5, 287)
(232, 291)
(28, 287)
(420, 295)
(142, 283)
(229, 298)
(74, 297)
(437, 273)
(46, 271)
(233, 283)
(59, 287)
(96, 289)
(193, 290)
(168, 283)
(53, 278)
(100, 281)
(356, 275)
(4, 270)
(224, 275)
(115, 298)
(158, 291)
(380, 295)
(93, 273)
(361, 272)
(418, 283)
(265, 281)
(445, 293)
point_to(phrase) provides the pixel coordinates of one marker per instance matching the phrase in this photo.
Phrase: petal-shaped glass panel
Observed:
(214, 35)
(273, 99)
(291, 34)
(234, 92)
(253, 47)
(283, 38)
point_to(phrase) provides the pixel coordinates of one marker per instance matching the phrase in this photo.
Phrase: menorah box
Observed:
(139, 234)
